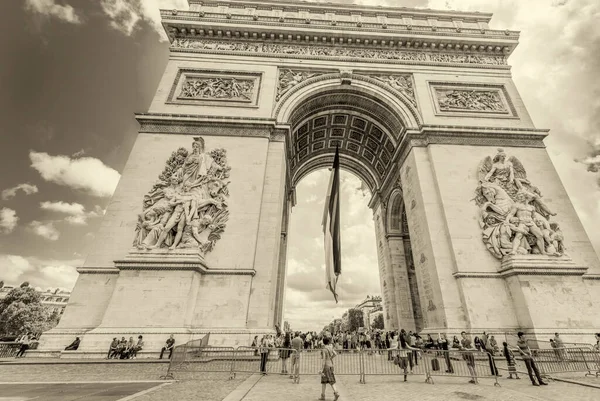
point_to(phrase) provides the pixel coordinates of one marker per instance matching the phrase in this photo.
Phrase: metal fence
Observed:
(9, 349)
(192, 357)
(474, 365)
(567, 360)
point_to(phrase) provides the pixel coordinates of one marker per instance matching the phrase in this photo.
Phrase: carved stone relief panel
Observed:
(514, 217)
(402, 83)
(289, 79)
(187, 208)
(457, 99)
(215, 87)
(377, 55)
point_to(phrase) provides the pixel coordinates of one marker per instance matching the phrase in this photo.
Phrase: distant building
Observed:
(370, 308)
(54, 299)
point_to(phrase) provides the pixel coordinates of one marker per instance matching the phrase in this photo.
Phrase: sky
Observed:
(74, 72)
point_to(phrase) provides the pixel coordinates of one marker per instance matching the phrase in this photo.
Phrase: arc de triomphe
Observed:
(474, 228)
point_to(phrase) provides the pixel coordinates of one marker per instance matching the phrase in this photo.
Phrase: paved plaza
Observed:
(97, 380)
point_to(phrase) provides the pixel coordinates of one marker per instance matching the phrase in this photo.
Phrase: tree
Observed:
(1, 284)
(378, 322)
(355, 319)
(24, 284)
(21, 311)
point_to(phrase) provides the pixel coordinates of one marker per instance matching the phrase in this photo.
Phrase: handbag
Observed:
(397, 360)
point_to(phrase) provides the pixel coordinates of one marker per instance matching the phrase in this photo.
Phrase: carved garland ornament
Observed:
(289, 79)
(470, 100)
(342, 52)
(187, 208)
(513, 216)
(403, 83)
(217, 89)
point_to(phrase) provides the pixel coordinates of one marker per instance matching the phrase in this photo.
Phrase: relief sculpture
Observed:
(513, 215)
(290, 78)
(403, 83)
(470, 100)
(217, 88)
(367, 54)
(187, 207)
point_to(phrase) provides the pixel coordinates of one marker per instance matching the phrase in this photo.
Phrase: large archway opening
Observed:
(364, 123)
(308, 305)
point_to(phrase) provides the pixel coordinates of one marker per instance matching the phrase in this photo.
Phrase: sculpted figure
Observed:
(557, 238)
(192, 210)
(522, 210)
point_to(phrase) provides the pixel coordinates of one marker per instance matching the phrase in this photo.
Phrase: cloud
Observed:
(86, 173)
(50, 9)
(308, 304)
(44, 229)
(8, 220)
(28, 189)
(125, 15)
(42, 273)
(76, 212)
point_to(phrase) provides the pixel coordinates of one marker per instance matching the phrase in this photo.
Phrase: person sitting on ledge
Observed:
(112, 350)
(74, 345)
(137, 347)
(168, 347)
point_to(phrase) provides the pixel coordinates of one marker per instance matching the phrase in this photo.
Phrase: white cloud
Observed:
(125, 15)
(46, 230)
(51, 9)
(39, 272)
(308, 304)
(64, 207)
(76, 212)
(28, 189)
(85, 173)
(8, 220)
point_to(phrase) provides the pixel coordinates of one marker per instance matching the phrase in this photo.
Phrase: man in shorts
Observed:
(297, 345)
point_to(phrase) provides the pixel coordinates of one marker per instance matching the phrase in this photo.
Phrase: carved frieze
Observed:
(289, 78)
(470, 100)
(363, 54)
(187, 208)
(514, 218)
(222, 88)
(402, 83)
(217, 88)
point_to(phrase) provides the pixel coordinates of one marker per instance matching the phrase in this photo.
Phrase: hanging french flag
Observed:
(331, 228)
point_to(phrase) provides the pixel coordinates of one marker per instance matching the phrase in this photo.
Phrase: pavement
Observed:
(98, 391)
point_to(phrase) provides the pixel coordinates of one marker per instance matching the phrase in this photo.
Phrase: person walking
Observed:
(327, 376)
(525, 352)
(510, 362)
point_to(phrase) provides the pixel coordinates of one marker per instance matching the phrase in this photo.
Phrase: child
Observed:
(510, 360)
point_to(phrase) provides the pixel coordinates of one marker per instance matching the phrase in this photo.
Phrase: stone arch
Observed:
(396, 102)
(395, 212)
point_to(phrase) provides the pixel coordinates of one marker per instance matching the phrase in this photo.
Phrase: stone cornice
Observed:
(348, 27)
(530, 265)
(342, 8)
(97, 270)
(179, 266)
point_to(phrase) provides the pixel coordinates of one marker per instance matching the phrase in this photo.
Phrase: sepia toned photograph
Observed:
(260, 200)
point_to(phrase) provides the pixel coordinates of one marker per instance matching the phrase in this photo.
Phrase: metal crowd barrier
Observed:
(192, 357)
(347, 362)
(454, 363)
(567, 360)
(393, 362)
(9, 349)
